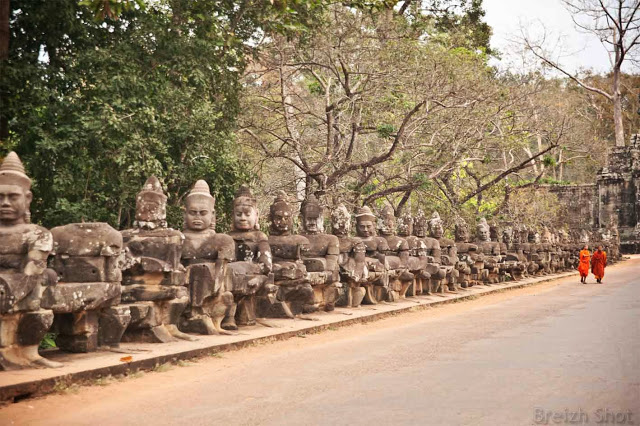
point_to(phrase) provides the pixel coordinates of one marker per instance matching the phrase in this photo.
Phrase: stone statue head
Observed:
(483, 231)
(15, 192)
(387, 221)
(546, 237)
(151, 205)
(420, 224)
(340, 220)
(245, 211)
(494, 232)
(563, 236)
(312, 215)
(507, 235)
(436, 228)
(405, 225)
(200, 213)
(281, 215)
(365, 222)
(461, 231)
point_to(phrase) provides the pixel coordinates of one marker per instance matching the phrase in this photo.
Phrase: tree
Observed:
(105, 104)
(616, 23)
(364, 111)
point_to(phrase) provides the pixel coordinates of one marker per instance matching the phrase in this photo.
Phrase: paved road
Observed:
(491, 361)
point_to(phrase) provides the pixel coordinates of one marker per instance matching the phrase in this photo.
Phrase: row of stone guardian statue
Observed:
(95, 286)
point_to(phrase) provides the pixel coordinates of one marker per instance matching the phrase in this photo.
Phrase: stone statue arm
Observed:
(36, 263)
(265, 258)
(40, 245)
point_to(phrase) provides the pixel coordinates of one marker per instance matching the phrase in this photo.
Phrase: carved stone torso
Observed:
(207, 246)
(164, 245)
(17, 241)
(251, 246)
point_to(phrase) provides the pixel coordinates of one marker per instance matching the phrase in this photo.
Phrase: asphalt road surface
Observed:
(513, 358)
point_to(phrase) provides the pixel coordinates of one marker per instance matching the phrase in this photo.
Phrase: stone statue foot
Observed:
(370, 295)
(161, 334)
(173, 331)
(30, 353)
(266, 323)
(357, 295)
(229, 323)
(218, 327)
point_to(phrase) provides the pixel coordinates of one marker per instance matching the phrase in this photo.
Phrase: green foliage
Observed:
(385, 130)
(111, 8)
(95, 108)
(549, 161)
(49, 341)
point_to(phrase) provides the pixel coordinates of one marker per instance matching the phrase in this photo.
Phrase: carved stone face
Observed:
(405, 226)
(245, 217)
(365, 228)
(199, 214)
(436, 230)
(387, 225)
(312, 223)
(340, 220)
(484, 234)
(150, 207)
(14, 203)
(281, 221)
(420, 228)
(462, 233)
(507, 236)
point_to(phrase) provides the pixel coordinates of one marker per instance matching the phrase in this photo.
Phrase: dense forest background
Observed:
(361, 102)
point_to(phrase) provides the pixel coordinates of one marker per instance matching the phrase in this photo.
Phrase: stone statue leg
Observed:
(20, 336)
(229, 321)
(170, 311)
(246, 310)
(78, 331)
(112, 323)
(356, 295)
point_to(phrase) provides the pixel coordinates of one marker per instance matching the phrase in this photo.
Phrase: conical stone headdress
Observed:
(244, 197)
(364, 213)
(12, 172)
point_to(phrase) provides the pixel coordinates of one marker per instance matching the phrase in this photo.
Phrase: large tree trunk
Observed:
(4, 55)
(617, 109)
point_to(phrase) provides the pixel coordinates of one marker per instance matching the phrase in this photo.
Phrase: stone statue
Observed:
(321, 259)
(471, 264)
(153, 277)
(295, 294)
(420, 264)
(397, 257)
(251, 272)
(537, 252)
(437, 281)
(528, 250)
(206, 255)
(23, 272)
(354, 273)
(87, 258)
(448, 250)
(516, 263)
(375, 247)
(490, 251)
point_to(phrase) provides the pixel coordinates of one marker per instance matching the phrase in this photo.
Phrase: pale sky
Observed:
(507, 16)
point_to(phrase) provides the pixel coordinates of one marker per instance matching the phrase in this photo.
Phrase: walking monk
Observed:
(583, 267)
(598, 263)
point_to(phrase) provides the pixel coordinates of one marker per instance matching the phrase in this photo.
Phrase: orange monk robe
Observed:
(598, 262)
(583, 267)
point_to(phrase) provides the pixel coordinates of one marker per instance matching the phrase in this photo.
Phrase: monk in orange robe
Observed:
(598, 263)
(583, 267)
